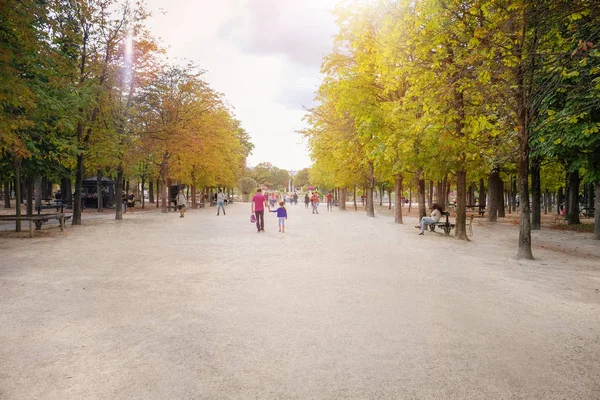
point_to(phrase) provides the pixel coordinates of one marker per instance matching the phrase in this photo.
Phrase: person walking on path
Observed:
(220, 201)
(315, 202)
(329, 201)
(281, 216)
(258, 209)
(306, 200)
(180, 200)
(436, 214)
(131, 201)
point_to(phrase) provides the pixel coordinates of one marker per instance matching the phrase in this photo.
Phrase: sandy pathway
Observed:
(341, 306)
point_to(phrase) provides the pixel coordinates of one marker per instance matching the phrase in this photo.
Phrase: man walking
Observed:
(220, 201)
(258, 209)
(315, 202)
(329, 201)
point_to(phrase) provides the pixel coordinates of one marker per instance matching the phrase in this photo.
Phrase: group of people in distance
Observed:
(260, 202)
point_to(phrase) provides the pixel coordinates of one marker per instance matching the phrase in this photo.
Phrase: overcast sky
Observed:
(264, 55)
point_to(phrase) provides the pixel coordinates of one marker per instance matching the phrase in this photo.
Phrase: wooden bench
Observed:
(58, 205)
(445, 225)
(38, 220)
(475, 209)
(588, 212)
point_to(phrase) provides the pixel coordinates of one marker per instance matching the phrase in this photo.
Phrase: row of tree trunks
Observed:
(151, 191)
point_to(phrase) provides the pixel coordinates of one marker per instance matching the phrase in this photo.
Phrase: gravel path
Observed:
(340, 306)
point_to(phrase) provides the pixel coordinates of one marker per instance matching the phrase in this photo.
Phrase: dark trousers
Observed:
(260, 220)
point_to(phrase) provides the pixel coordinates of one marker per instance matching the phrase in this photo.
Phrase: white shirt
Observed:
(436, 215)
(220, 197)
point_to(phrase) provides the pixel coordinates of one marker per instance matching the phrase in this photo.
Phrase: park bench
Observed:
(58, 205)
(475, 209)
(446, 226)
(588, 212)
(38, 220)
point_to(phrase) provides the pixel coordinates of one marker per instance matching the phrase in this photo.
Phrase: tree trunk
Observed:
(493, 187)
(29, 194)
(398, 199)
(67, 191)
(510, 195)
(342, 200)
(38, 191)
(143, 196)
(6, 194)
(536, 194)
(471, 194)
(500, 193)
(524, 247)
(355, 206)
(447, 195)
(389, 193)
(597, 212)
(370, 203)
(76, 219)
(481, 193)
(573, 198)
(370, 186)
(151, 191)
(164, 186)
(119, 194)
(194, 197)
(99, 189)
(591, 197)
(381, 191)
(546, 202)
(410, 199)
(461, 209)
(157, 192)
(17, 163)
(430, 194)
(421, 194)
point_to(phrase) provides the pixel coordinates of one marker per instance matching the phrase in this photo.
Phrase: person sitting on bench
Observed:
(436, 214)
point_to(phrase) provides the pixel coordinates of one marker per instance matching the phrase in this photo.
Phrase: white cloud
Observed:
(263, 54)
